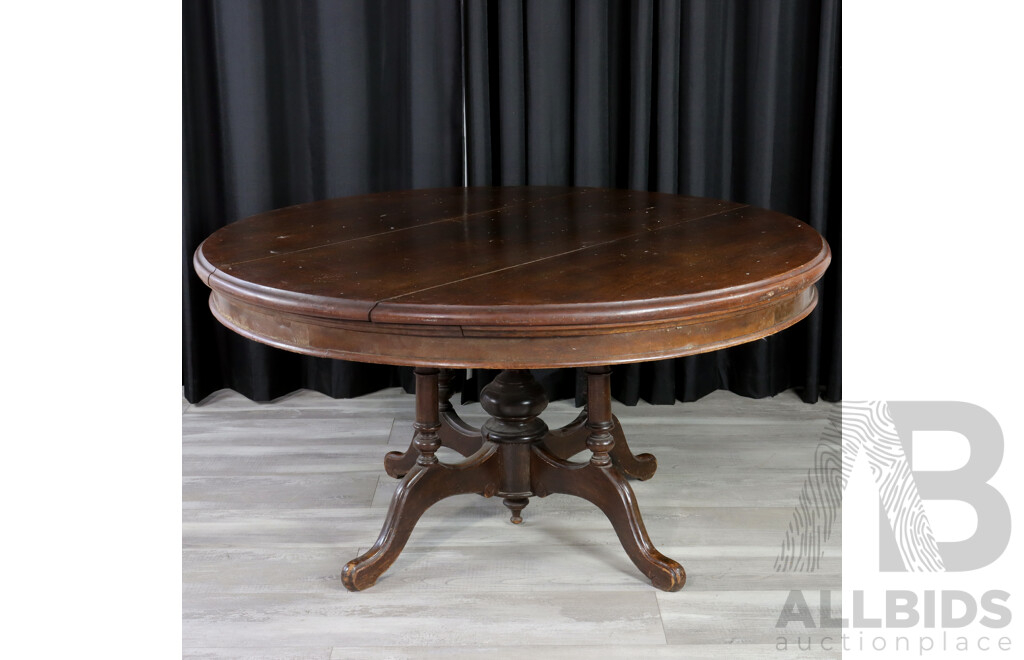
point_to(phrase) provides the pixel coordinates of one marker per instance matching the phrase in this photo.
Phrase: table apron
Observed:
(450, 346)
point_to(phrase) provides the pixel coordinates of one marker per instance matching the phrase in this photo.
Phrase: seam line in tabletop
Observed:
(556, 256)
(453, 218)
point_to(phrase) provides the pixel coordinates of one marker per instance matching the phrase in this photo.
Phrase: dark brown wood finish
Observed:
(513, 279)
(454, 433)
(316, 224)
(562, 443)
(513, 462)
(566, 442)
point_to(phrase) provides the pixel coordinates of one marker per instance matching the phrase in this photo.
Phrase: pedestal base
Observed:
(516, 457)
(564, 442)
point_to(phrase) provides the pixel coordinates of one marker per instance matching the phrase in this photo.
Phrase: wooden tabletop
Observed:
(512, 277)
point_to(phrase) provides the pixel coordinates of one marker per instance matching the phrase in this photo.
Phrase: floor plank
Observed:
(395, 614)
(267, 653)
(278, 496)
(581, 652)
(729, 617)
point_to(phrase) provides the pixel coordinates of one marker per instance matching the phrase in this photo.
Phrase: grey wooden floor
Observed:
(277, 497)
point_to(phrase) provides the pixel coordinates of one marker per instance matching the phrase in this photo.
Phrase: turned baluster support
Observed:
(428, 419)
(453, 432)
(599, 416)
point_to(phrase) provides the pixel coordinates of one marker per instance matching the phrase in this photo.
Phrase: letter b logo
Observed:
(902, 525)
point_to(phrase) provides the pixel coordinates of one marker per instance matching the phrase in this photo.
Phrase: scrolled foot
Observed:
(453, 434)
(672, 578)
(397, 464)
(421, 488)
(356, 580)
(608, 489)
(640, 466)
(566, 442)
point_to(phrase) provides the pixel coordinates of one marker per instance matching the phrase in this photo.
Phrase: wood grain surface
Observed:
(513, 277)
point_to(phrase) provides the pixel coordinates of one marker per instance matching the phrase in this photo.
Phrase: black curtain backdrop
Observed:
(288, 102)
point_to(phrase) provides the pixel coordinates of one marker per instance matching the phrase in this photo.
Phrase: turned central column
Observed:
(514, 399)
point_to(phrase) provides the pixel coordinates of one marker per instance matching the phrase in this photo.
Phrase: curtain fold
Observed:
(293, 101)
(290, 102)
(717, 98)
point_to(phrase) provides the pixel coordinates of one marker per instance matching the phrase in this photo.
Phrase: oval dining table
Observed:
(513, 278)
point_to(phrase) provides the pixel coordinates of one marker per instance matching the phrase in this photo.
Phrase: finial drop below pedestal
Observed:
(516, 506)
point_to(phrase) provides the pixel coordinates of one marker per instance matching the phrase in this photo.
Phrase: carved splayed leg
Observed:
(607, 488)
(427, 482)
(421, 488)
(514, 461)
(599, 482)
